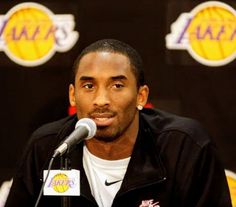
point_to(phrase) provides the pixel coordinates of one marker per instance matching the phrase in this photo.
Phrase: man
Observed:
(138, 157)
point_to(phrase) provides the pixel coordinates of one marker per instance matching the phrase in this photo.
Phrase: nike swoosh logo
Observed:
(111, 183)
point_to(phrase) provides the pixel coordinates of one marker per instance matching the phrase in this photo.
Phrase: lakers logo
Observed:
(208, 33)
(30, 34)
(60, 183)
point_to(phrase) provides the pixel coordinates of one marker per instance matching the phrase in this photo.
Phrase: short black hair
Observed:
(115, 46)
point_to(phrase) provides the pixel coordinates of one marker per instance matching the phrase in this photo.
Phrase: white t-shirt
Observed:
(104, 176)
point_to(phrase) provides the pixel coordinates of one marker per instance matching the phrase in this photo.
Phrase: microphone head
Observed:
(89, 124)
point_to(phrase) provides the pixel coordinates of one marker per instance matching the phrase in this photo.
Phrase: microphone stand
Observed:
(65, 165)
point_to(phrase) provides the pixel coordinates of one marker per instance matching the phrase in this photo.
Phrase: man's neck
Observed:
(118, 149)
(110, 150)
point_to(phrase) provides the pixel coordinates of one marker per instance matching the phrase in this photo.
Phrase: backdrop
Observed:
(34, 89)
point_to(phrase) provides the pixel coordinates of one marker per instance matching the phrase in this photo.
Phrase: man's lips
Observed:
(102, 122)
(102, 119)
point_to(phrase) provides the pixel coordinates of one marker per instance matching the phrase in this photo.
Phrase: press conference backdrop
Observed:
(188, 48)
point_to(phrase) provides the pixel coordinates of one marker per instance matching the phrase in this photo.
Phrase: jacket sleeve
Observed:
(28, 179)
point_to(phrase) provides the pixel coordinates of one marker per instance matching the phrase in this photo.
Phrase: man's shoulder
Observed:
(161, 121)
(55, 127)
(49, 135)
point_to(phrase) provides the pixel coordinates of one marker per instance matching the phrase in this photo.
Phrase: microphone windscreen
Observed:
(89, 124)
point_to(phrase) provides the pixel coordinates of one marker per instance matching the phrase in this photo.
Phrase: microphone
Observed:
(84, 129)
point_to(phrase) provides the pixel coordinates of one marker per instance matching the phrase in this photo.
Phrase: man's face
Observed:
(106, 91)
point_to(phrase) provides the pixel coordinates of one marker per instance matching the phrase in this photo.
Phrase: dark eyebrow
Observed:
(86, 78)
(119, 77)
(89, 78)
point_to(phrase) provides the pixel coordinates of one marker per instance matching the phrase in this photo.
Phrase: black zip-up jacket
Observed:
(173, 164)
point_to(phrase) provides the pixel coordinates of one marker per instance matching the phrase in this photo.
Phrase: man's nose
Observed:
(101, 97)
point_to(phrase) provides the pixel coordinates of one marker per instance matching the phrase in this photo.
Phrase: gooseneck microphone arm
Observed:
(84, 129)
(79, 134)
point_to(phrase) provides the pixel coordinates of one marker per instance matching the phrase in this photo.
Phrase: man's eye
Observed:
(118, 85)
(88, 85)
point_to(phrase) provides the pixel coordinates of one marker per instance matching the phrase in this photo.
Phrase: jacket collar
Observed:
(145, 165)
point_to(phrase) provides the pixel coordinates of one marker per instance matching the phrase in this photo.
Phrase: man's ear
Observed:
(72, 95)
(142, 95)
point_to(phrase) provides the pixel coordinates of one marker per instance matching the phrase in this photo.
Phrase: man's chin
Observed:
(108, 133)
(105, 136)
